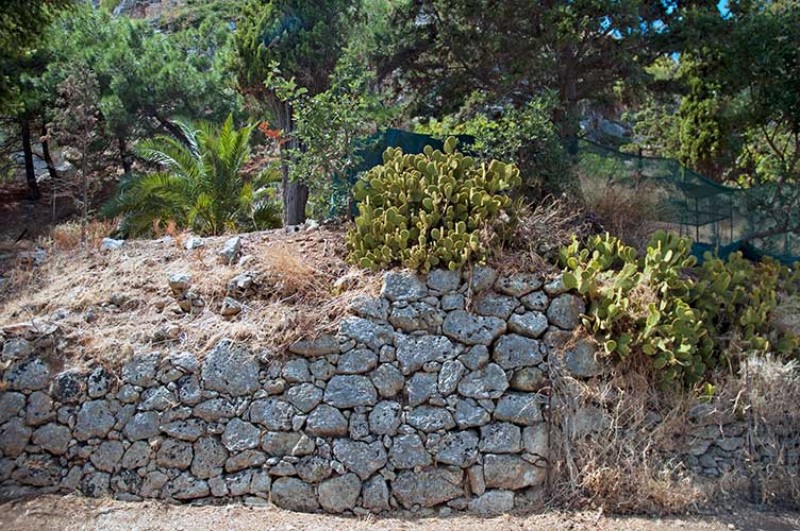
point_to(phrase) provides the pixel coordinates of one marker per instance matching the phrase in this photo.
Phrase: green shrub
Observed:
(685, 319)
(428, 210)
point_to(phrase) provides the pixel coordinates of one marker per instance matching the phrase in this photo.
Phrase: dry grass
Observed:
(630, 463)
(624, 211)
(108, 305)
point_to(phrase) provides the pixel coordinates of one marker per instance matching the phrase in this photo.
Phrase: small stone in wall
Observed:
(501, 438)
(480, 278)
(388, 380)
(95, 419)
(449, 376)
(565, 311)
(66, 387)
(53, 438)
(511, 472)
(313, 469)
(186, 487)
(430, 418)
(315, 348)
(372, 334)
(28, 375)
(11, 404)
(444, 280)
(37, 471)
(209, 458)
(537, 301)
(142, 426)
(14, 437)
(141, 369)
(413, 352)
(16, 349)
(513, 351)
(240, 435)
(519, 284)
(493, 304)
(273, 413)
(470, 329)
(326, 421)
(403, 286)
(529, 324)
(39, 410)
(493, 502)
(489, 382)
(458, 449)
(357, 361)
(107, 455)
(408, 452)
(519, 408)
(375, 494)
(304, 397)
(348, 391)
(137, 455)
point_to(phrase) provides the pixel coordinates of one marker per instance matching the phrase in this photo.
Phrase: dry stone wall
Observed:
(432, 395)
(421, 400)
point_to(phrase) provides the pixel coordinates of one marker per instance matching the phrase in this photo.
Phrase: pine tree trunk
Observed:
(127, 166)
(295, 194)
(30, 174)
(48, 158)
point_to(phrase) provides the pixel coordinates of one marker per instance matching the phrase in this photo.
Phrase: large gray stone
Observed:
(273, 413)
(521, 409)
(175, 454)
(137, 455)
(480, 278)
(415, 351)
(141, 369)
(536, 439)
(388, 380)
(469, 415)
(314, 348)
(513, 351)
(38, 471)
(489, 382)
(281, 443)
(362, 458)
(384, 418)
(142, 426)
(95, 419)
(476, 357)
(304, 397)
(430, 418)
(519, 284)
(428, 487)
(40, 409)
(537, 301)
(375, 308)
(246, 459)
(296, 371)
(157, 399)
(420, 387)
(501, 438)
(375, 494)
(53, 438)
(372, 334)
(326, 421)
(457, 448)
(209, 458)
(14, 437)
(449, 376)
(314, 469)
(357, 361)
(31, 374)
(529, 324)
(99, 382)
(407, 451)
(189, 391)
(493, 502)
(230, 370)
(581, 360)
(403, 286)
(339, 494)
(511, 472)
(11, 404)
(240, 435)
(444, 280)
(472, 329)
(494, 305)
(294, 495)
(16, 349)
(565, 311)
(348, 391)
(185, 430)
(215, 410)
(185, 487)
(107, 456)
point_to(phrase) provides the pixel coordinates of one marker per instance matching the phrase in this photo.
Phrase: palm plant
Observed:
(200, 183)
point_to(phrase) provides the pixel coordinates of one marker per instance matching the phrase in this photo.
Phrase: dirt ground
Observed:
(76, 513)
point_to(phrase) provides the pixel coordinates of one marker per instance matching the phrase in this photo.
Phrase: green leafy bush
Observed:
(430, 209)
(685, 319)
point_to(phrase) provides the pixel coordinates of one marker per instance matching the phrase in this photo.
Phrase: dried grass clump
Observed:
(625, 211)
(67, 236)
(540, 231)
(620, 466)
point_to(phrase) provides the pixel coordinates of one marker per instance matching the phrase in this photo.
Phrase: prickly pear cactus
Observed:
(428, 210)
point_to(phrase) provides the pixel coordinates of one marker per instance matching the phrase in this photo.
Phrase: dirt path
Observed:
(75, 513)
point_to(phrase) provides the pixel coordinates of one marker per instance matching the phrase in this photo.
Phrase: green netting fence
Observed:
(716, 217)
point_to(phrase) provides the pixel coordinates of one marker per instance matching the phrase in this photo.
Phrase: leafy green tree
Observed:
(301, 40)
(200, 184)
(144, 78)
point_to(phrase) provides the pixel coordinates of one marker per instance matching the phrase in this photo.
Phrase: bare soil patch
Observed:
(76, 513)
